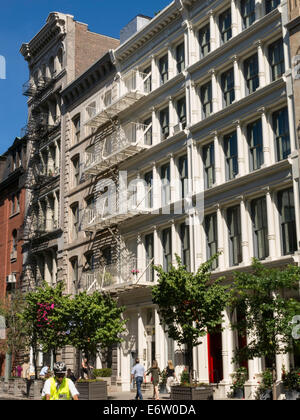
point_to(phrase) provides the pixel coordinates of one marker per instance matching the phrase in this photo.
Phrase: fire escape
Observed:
(104, 156)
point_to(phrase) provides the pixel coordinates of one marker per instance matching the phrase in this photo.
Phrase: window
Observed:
(181, 112)
(183, 175)
(231, 155)
(149, 247)
(13, 255)
(148, 132)
(147, 80)
(180, 59)
(13, 204)
(208, 153)
(75, 221)
(185, 245)
(107, 255)
(235, 237)
(164, 69)
(165, 179)
(271, 5)
(287, 220)
(251, 74)
(211, 230)
(282, 135)
(76, 170)
(149, 192)
(164, 123)
(90, 261)
(225, 26)
(75, 276)
(255, 142)
(260, 228)
(76, 125)
(276, 59)
(227, 85)
(206, 99)
(167, 249)
(247, 12)
(204, 41)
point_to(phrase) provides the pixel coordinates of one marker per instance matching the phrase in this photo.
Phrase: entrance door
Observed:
(215, 362)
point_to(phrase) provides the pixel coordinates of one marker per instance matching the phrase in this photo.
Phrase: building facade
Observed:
(180, 140)
(12, 211)
(203, 98)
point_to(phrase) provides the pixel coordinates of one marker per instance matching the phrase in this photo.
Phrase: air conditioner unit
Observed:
(11, 278)
(178, 128)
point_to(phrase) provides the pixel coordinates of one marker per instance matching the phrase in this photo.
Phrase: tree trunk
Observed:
(274, 374)
(190, 361)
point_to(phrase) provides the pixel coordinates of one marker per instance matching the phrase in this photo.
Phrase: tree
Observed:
(96, 323)
(263, 298)
(47, 315)
(16, 337)
(189, 304)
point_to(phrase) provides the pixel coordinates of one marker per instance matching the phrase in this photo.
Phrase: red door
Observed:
(215, 362)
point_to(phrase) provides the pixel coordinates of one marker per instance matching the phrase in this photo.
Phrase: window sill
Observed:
(14, 214)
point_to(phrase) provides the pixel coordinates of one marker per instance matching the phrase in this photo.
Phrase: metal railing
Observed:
(118, 96)
(126, 141)
(127, 272)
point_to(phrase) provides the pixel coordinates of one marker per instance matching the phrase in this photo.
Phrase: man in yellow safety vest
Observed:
(59, 387)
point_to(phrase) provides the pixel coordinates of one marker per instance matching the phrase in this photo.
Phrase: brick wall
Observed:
(89, 47)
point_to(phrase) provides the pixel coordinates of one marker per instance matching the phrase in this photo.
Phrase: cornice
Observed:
(156, 25)
(55, 28)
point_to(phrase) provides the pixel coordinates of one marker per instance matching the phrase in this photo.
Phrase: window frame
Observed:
(256, 154)
(260, 227)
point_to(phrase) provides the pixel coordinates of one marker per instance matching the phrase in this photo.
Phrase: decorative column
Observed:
(242, 148)
(171, 62)
(193, 104)
(227, 352)
(261, 64)
(245, 232)
(212, 28)
(141, 337)
(154, 73)
(156, 189)
(214, 91)
(221, 238)
(234, 18)
(237, 78)
(219, 159)
(155, 127)
(271, 223)
(159, 340)
(172, 116)
(258, 9)
(266, 136)
(140, 257)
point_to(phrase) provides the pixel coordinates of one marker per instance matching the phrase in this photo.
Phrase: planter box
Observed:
(292, 395)
(92, 391)
(107, 380)
(34, 389)
(20, 388)
(188, 393)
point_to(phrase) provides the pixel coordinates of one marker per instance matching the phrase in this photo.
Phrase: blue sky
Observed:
(20, 20)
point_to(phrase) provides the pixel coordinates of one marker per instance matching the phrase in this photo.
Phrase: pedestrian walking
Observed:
(155, 373)
(137, 374)
(59, 387)
(170, 375)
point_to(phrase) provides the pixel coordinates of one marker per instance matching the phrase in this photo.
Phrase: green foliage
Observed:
(239, 378)
(267, 380)
(96, 323)
(189, 304)
(47, 314)
(185, 377)
(261, 296)
(16, 332)
(291, 380)
(102, 373)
